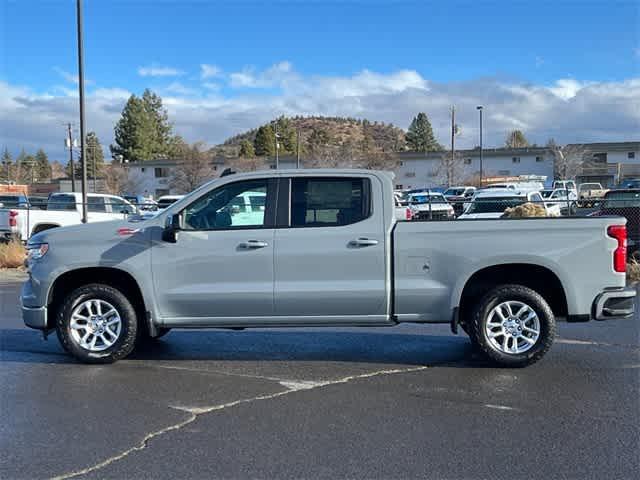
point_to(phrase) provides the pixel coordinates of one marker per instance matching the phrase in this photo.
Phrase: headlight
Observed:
(37, 251)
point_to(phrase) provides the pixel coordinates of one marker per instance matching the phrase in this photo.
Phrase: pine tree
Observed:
(420, 137)
(246, 149)
(95, 156)
(264, 144)
(42, 166)
(516, 139)
(5, 165)
(143, 131)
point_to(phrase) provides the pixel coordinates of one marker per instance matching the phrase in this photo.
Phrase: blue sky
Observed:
(227, 66)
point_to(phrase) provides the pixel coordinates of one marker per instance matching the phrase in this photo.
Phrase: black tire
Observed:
(516, 293)
(125, 342)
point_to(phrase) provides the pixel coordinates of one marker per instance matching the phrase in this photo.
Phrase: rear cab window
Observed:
(329, 201)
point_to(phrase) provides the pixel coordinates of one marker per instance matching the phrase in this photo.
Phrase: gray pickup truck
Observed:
(321, 248)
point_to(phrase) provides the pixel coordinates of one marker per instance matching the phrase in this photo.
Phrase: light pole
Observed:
(83, 146)
(480, 108)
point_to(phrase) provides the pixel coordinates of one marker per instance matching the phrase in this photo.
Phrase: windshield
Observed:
(13, 201)
(495, 204)
(546, 193)
(420, 199)
(454, 192)
(590, 186)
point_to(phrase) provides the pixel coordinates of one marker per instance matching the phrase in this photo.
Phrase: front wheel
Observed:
(97, 324)
(513, 326)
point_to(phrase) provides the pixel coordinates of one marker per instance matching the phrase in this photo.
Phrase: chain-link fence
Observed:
(21, 217)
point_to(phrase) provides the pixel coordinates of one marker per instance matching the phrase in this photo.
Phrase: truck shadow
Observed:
(24, 346)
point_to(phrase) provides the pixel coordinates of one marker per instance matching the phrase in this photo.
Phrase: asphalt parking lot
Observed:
(403, 402)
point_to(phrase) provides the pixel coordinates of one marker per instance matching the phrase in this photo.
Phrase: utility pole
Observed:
(73, 170)
(453, 144)
(83, 147)
(298, 149)
(480, 108)
(95, 170)
(277, 147)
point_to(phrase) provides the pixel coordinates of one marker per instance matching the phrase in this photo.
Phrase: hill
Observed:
(335, 131)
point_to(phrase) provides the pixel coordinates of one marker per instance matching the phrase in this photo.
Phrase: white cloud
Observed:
(567, 88)
(277, 75)
(159, 71)
(180, 89)
(570, 110)
(71, 77)
(209, 71)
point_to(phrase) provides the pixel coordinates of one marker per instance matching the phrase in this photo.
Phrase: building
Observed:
(607, 163)
(610, 163)
(432, 169)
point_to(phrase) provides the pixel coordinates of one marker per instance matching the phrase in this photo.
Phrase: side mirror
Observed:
(172, 226)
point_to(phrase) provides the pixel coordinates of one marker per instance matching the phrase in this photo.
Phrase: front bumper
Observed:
(615, 303)
(35, 317)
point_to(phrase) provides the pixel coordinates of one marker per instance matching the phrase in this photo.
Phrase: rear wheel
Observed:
(513, 326)
(97, 324)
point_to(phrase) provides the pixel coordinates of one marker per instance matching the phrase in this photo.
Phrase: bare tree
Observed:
(192, 170)
(246, 164)
(115, 178)
(569, 160)
(379, 161)
(450, 169)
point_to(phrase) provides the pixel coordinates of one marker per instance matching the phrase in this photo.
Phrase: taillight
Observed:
(13, 220)
(407, 213)
(619, 232)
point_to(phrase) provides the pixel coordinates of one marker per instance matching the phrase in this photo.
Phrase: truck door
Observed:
(330, 251)
(221, 266)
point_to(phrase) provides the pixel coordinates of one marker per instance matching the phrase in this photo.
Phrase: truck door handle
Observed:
(363, 242)
(253, 244)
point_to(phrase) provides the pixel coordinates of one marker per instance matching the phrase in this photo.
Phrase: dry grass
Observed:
(12, 254)
(633, 271)
(525, 210)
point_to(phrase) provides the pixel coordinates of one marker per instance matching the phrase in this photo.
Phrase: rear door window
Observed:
(62, 202)
(329, 202)
(96, 204)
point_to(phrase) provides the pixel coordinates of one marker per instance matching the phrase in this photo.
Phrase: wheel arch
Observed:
(539, 278)
(41, 227)
(117, 278)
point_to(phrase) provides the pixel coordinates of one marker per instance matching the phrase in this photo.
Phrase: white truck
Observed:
(63, 209)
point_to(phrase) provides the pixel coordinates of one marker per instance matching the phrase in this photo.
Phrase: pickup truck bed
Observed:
(320, 248)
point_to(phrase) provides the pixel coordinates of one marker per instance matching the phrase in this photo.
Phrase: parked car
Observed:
(589, 194)
(430, 206)
(326, 251)
(402, 212)
(166, 200)
(63, 209)
(489, 204)
(569, 185)
(141, 203)
(38, 202)
(624, 203)
(13, 200)
(565, 200)
(457, 196)
(631, 183)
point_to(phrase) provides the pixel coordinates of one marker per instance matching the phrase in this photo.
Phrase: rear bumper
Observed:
(614, 303)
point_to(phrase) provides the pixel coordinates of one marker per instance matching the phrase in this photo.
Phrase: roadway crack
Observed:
(194, 412)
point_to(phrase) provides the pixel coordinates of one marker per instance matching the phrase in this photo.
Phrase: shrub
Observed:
(12, 254)
(633, 271)
(525, 210)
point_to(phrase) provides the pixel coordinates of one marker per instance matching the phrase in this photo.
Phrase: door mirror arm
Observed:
(174, 223)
